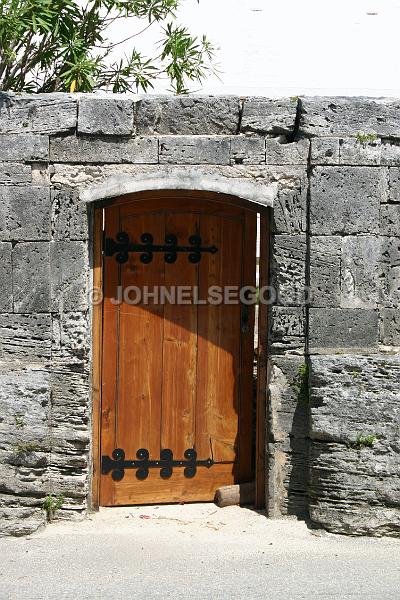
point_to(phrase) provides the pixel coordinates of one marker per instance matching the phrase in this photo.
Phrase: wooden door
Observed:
(176, 414)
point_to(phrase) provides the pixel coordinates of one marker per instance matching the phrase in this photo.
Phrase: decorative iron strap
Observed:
(122, 246)
(117, 464)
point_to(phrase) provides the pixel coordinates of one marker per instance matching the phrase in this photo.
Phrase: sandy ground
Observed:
(195, 551)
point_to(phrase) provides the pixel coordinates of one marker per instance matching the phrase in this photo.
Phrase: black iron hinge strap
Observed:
(122, 246)
(117, 464)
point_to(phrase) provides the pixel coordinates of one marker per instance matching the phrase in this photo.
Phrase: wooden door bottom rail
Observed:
(117, 464)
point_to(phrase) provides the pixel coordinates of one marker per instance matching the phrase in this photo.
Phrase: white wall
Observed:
(291, 47)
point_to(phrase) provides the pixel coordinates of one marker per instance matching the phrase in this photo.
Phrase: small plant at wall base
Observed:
(301, 383)
(19, 421)
(63, 46)
(364, 138)
(364, 441)
(51, 505)
(355, 374)
(26, 447)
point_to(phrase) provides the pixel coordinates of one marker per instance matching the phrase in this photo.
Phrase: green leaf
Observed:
(58, 45)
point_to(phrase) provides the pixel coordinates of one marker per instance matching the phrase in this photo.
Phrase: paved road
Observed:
(196, 552)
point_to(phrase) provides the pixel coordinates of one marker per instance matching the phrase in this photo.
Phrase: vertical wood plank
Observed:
(217, 413)
(179, 345)
(109, 387)
(247, 352)
(262, 366)
(97, 328)
(140, 345)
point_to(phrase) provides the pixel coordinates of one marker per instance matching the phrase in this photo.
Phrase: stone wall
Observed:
(330, 169)
(355, 444)
(354, 333)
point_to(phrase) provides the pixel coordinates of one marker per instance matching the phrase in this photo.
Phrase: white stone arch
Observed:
(259, 192)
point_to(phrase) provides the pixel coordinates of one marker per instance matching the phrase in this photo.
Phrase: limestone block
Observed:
(195, 150)
(66, 362)
(290, 208)
(361, 476)
(287, 474)
(41, 174)
(73, 485)
(394, 184)
(75, 335)
(70, 456)
(71, 446)
(361, 272)
(24, 213)
(25, 338)
(70, 341)
(31, 277)
(390, 326)
(11, 500)
(354, 152)
(325, 151)
(37, 113)
(279, 152)
(6, 295)
(69, 218)
(390, 283)
(370, 521)
(105, 116)
(104, 150)
(288, 269)
(68, 272)
(22, 479)
(247, 150)
(288, 432)
(289, 411)
(69, 439)
(187, 115)
(325, 270)
(20, 521)
(24, 147)
(70, 408)
(335, 328)
(15, 174)
(65, 463)
(390, 153)
(345, 200)
(26, 457)
(336, 116)
(268, 116)
(25, 407)
(287, 329)
(390, 219)
(353, 395)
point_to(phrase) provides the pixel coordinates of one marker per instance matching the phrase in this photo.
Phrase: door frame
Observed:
(97, 332)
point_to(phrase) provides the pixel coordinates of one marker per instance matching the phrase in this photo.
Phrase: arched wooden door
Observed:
(176, 412)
